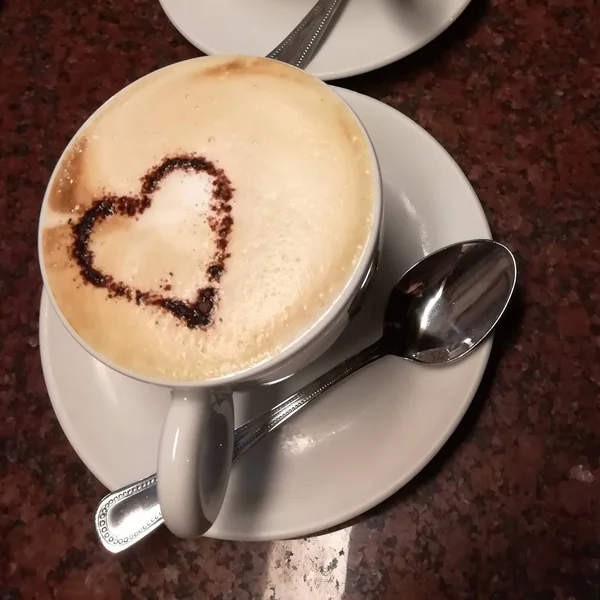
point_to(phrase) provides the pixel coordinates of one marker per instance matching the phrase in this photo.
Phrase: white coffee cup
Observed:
(196, 445)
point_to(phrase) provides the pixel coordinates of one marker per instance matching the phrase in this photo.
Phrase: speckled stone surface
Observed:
(511, 507)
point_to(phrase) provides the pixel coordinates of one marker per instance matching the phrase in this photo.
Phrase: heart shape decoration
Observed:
(196, 313)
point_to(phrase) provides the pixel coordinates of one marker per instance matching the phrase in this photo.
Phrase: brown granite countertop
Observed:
(511, 507)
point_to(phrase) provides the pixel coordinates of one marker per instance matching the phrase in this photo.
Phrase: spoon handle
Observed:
(299, 46)
(259, 427)
(129, 514)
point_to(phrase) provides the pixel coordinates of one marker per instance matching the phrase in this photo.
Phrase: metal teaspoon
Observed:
(299, 46)
(439, 310)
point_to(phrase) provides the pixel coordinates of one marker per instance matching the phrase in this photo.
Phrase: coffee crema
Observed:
(206, 216)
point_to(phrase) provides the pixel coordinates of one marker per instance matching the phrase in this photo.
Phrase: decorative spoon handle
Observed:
(260, 426)
(299, 46)
(129, 514)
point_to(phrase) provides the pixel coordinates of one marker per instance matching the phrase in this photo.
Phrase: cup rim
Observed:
(312, 332)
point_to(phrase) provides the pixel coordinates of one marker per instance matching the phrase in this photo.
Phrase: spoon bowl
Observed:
(447, 303)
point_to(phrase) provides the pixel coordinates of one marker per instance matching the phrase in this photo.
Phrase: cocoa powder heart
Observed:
(196, 313)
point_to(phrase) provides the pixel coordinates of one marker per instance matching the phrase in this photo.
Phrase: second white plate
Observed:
(369, 33)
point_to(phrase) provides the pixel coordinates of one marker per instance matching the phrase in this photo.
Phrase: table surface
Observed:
(511, 506)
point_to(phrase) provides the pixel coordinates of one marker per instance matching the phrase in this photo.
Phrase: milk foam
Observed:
(301, 210)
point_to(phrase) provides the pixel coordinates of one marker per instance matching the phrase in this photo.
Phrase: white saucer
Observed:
(358, 444)
(369, 33)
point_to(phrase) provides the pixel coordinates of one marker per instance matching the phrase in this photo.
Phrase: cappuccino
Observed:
(206, 216)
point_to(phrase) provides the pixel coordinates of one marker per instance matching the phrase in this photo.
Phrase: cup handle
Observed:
(194, 459)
